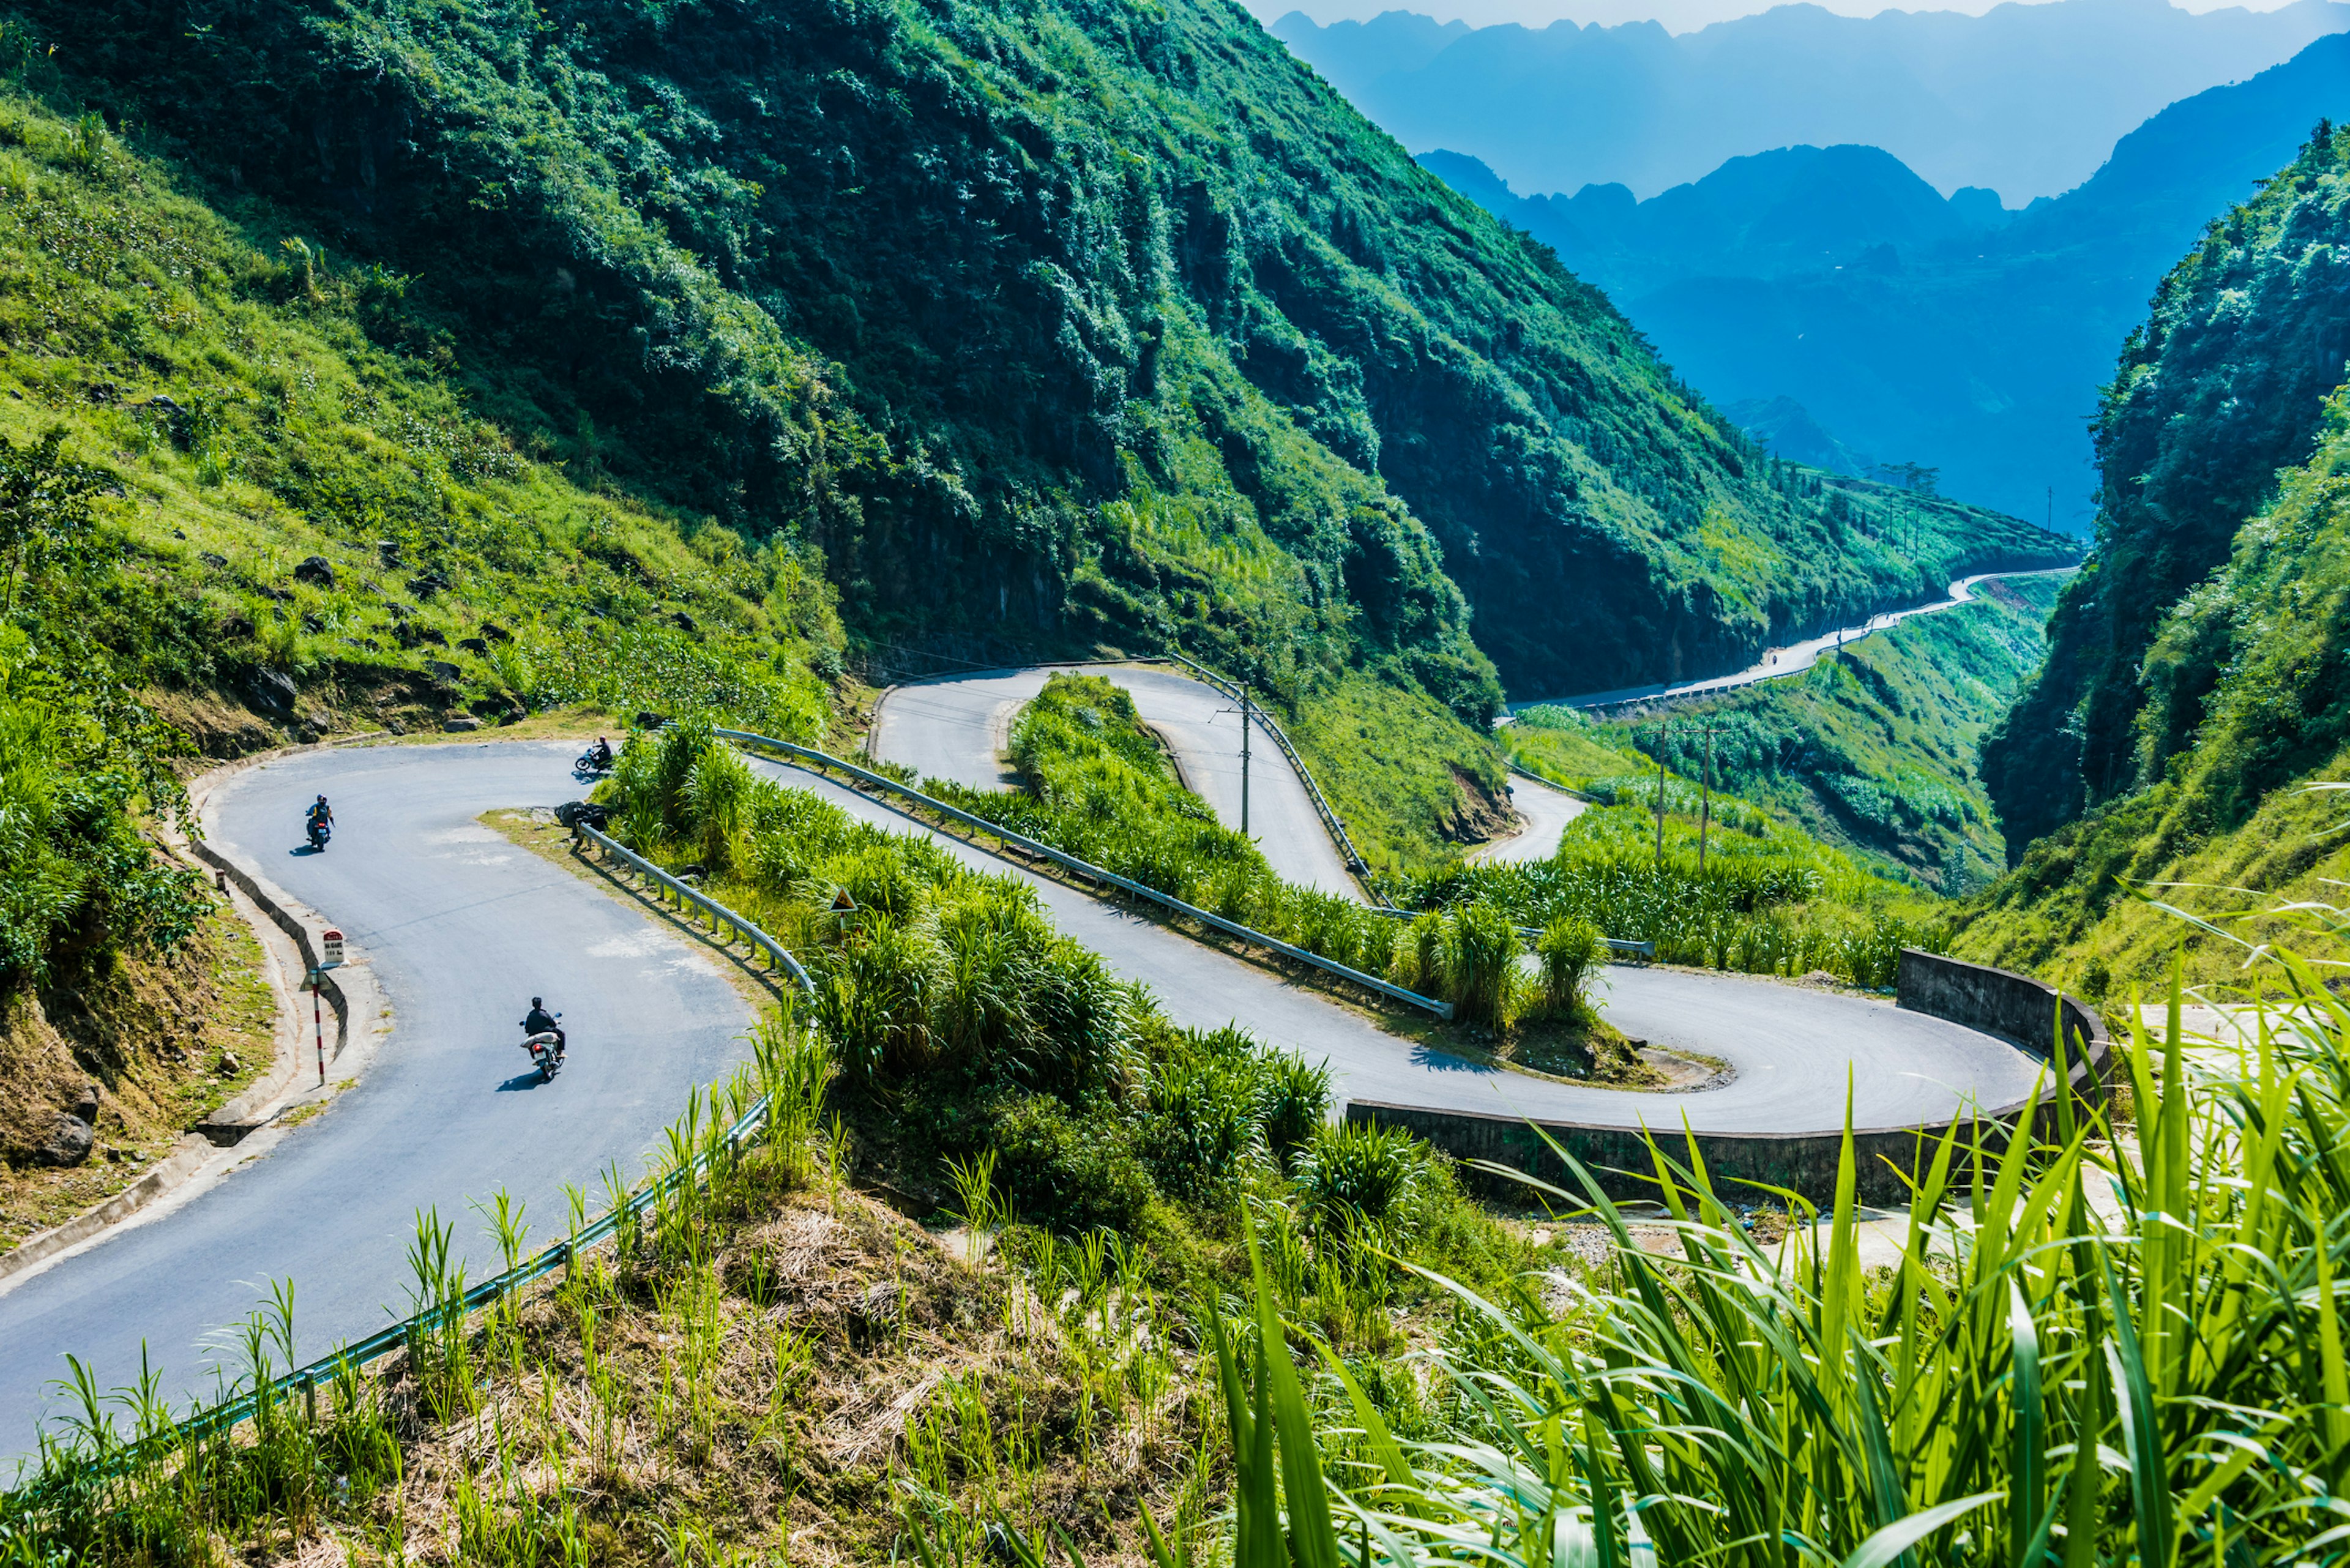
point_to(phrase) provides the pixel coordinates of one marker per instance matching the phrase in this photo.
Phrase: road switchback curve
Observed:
(462, 928)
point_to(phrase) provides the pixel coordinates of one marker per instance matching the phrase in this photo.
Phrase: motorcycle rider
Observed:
(320, 816)
(539, 1021)
(599, 755)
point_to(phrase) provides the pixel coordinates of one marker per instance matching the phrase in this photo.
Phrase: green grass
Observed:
(1874, 748)
(2089, 1353)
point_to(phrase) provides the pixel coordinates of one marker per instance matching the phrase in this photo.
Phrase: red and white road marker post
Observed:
(330, 956)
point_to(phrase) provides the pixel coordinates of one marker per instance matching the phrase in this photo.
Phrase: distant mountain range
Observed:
(1912, 327)
(2022, 100)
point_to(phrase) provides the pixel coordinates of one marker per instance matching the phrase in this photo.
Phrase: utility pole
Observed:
(1662, 725)
(1705, 798)
(1245, 757)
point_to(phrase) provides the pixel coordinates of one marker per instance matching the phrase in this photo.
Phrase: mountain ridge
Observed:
(2022, 100)
(1974, 344)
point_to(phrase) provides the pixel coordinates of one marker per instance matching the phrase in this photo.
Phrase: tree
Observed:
(1913, 476)
(43, 504)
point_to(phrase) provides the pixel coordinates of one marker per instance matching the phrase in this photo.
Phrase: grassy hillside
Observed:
(2232, 828)
(1054, 324)
(2222, 388)
(1873, 747)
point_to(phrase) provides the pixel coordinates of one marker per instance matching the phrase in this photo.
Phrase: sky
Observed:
(1677, 15)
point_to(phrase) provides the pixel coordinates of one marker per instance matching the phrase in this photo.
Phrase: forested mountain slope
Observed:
(2224, 386)
(1051, 323)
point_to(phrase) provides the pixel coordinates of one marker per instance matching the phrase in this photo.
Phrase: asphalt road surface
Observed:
(958, 727)
(462, 928)
(1544, 813)
(1778, 661)
(1790, 1046)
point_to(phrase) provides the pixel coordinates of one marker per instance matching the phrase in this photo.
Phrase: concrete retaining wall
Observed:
(2012, 1007)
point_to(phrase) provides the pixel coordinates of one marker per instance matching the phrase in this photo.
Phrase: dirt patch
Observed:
(146, 1051)
(832, 1360)
(1477, 814)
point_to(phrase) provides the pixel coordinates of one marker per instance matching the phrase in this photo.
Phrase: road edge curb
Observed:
(358, 1021)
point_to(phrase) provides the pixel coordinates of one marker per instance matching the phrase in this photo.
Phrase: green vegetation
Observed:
(969, 1028)
(1049, 324)
(2227, 827)
(307, 525)
(2222, 388)
(1873, 748)
(1769, 897)
(1768, 901)
(2093, 1353)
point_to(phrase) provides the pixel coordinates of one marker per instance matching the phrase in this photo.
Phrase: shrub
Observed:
(1480, 965)
(1297, 1104)
(1069, 1173)
(1353, 1174)
(1570, 952)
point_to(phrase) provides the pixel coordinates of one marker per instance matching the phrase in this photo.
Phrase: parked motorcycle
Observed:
(543, 1055)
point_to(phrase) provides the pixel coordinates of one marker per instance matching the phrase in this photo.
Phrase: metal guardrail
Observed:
(1354, 861)
(1087, 869)
(777, 954)
(385, 1340)
(1646, 949)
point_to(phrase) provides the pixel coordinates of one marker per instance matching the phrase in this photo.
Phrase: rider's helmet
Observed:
(536, 1001)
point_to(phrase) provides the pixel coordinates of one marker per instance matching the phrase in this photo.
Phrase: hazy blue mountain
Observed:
(1789, 210)
(2023, 100)
(1949, 332)
(1787, 427)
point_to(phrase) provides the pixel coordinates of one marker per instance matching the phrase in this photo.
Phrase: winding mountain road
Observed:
(1789, 661)
(462, 928)
(1789, 1045)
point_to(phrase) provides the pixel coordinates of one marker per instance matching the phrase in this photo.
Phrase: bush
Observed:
(1297, 1104)
(1069, 1173)
(1570, 952)
(1350, 1174)
(1480, 965)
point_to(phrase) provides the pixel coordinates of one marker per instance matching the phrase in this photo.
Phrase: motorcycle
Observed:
(590, 764)
(320, 831)
(543, 1055)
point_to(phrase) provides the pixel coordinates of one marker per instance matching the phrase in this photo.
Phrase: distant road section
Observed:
(1545, 812)
(1781, 661)
(958, 727)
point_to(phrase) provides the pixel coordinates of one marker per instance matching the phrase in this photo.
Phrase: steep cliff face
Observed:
(1048, 323)
(2223, 387)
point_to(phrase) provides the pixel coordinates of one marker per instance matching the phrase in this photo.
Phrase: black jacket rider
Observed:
(538, 1021)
